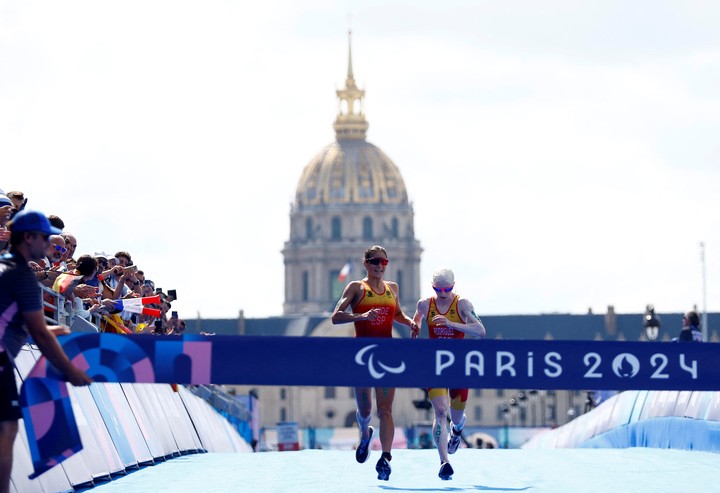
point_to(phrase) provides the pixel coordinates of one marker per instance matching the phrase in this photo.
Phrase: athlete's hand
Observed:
(440, 320)
(371, 314)
(414, 330)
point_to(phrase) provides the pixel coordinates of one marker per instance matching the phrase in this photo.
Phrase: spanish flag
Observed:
(66, 282)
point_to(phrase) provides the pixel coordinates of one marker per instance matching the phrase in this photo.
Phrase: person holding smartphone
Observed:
(173, 324)
(374, 305)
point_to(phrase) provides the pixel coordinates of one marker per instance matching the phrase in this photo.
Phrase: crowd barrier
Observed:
(123, 426)
(686, 420)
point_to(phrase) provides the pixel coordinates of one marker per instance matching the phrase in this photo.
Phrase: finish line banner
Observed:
(320, 361)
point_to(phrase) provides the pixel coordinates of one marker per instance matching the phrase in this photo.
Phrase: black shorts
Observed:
(9, 400)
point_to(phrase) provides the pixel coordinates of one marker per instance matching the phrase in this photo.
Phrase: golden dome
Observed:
(350, 170)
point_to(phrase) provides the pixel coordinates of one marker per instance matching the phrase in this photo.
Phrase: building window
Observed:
(394, 226)
(308, 228)
(283, 393)
(478, 392)
(283, 414)
(336, 226)
(500, 413)
(351, 393)
(305, 286)
(329, 392)
(367, 229)
(478, 413)
(500, 393)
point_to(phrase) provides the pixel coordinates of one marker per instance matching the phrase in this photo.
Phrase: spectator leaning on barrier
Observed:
(6, 209)
(71, 245)
(18, 200)
(20, 300)
(690, 331)
(56, 222)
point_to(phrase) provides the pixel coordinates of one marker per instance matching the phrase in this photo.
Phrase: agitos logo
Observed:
(373, 365)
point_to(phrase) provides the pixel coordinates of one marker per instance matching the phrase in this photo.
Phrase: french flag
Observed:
(345, 271)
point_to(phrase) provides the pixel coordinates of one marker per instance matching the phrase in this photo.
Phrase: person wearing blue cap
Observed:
(21, 316)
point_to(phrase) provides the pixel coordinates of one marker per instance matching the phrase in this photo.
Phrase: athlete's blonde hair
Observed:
(443, 274)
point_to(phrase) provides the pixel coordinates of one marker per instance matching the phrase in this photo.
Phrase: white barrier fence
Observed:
(124, 426)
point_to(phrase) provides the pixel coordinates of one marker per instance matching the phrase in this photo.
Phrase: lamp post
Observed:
(505, 412)
(533, 406)
(704, 325)
(651, 323)
(513, 408)
(522, 397)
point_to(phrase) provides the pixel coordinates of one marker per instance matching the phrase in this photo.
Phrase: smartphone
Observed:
(158, 290)
(173, 293)
(159, 327)
(174, 314)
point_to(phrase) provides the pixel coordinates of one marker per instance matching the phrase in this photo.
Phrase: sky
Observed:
(560, 155)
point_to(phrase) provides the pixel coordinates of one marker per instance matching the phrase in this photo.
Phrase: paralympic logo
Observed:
(374, 372)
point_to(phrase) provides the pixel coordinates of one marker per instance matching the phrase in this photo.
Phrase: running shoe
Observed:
(383, 469)
(363, 450)
(446, 471)
(453, 441)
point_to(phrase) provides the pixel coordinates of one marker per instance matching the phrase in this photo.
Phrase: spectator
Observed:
(690, 331)
(71, 245)
(47, 268)
(18, 200)
(6, 210)
(82, 298)
(20, 300)
(56, 222)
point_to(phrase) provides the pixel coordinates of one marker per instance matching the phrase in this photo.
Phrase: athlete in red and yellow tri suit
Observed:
(458, 397)
(448, 317)
(375, 305)
(385, 302)
(442, 331)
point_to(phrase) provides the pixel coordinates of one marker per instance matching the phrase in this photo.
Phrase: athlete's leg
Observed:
(8, 432)
(384, 397)
(458, 401)
(363, 398)
(440, 403)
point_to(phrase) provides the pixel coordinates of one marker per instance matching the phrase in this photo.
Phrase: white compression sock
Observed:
(363, 423)
(461, 424)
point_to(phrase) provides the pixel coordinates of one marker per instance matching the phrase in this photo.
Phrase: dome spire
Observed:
(350, 122)
(350, 72)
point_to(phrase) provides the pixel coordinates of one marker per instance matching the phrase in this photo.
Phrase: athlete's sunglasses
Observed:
(443, 290)
(377, 261)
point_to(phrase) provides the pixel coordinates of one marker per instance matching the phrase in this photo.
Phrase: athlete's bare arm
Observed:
(350, 297)
(420, 311)
(400, 316)
(473, 325)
